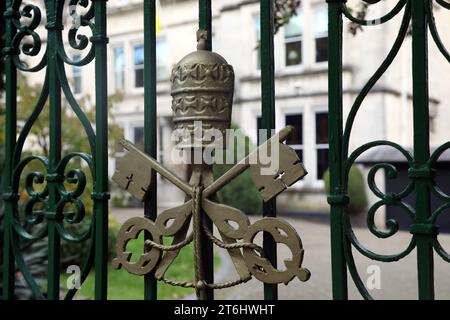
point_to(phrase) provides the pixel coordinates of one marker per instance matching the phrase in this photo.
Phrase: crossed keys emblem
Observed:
(133, 173)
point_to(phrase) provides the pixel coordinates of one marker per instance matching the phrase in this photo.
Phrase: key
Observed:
(289, 171)
(133, 173)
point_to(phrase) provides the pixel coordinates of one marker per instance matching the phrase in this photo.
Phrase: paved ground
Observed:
(398, 279)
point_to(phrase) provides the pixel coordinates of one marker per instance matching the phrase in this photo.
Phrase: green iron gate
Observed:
(419, 15)
(55, 196)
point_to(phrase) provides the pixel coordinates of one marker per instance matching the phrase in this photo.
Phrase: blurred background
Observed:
(301, 80)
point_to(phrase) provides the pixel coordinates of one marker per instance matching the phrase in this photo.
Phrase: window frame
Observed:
(302, 145)
(318, 146)
(299, 110)
(137, 66)
(256, 56)
(124, 67)
(292, 39)
(161, 76)
(316, 35)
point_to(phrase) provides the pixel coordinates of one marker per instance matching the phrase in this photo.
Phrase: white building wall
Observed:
(386, 113)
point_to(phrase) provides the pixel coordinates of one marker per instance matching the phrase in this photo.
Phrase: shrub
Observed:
(121, 199)
(76, 253)
(240, 193)
(356, 189)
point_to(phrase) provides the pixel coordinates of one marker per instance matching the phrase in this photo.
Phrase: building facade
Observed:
(300, 77)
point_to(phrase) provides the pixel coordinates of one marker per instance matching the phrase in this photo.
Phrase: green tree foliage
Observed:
(73, 134)
(240, 193)
(73, 140)
(356, 189)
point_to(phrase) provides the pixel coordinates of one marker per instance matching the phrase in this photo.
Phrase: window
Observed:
(161, 58)
(322, 145)
(257, 21)
(295, 140)
(321, 33)
(161, 62)
(139, 66)
(139, 137)
(119, 68)
(76, 73)
(293, 38)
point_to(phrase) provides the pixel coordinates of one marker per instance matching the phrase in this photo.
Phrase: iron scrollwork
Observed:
(416, 173)
(64, 176)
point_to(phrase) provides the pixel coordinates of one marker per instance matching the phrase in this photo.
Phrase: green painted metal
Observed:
(10, 141)
(336, 198)
(421, 172)
(54, 241)
(101, 195)
(268, 120)
(205, 20)
(207, 253)
(23, 40)
(150, 119)
(419, 15)
(54, 197)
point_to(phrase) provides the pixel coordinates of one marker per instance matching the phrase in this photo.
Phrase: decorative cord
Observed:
(196, 197)
(202, 284)
(198, 224)
(230, 246)
(152, 244)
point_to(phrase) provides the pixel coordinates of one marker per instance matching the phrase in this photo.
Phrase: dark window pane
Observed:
(322, 128)
(139, 137)
(299, 153)
(322, 162)
(295, 120)
(293, 53)
(322, 49)
(139, 78)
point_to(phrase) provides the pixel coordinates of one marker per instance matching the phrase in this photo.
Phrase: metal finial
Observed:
(202, 38)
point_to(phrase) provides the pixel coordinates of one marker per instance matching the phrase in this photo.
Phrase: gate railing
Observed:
(54, 196)
(268, 119)
(419, 15)
(22, 39)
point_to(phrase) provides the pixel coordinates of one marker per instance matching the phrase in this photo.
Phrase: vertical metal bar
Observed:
(205, 20)
(54, 241)
(337, 198)
(10, 141)
(150, 120)
(207, 253)
(101, 195)
(268, 121)
(421, 146)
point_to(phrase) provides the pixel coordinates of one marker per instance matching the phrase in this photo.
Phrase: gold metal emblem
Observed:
(202, 90)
